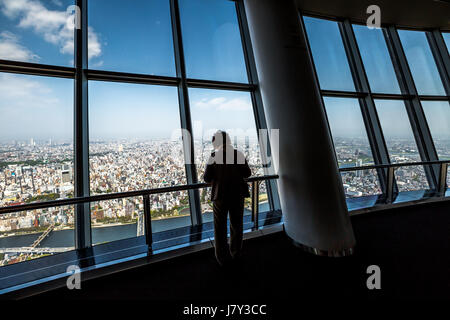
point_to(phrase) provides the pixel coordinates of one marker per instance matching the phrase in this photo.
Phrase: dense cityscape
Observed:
(353, 152)
(32, 171)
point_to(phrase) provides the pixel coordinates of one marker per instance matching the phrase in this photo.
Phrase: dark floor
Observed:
(411, 245)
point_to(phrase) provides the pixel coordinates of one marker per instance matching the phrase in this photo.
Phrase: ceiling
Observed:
(406, 13)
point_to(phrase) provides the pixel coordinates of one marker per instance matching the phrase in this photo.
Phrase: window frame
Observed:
(81, 74)
(408, 93)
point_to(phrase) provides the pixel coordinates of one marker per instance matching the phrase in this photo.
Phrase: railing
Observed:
(146, 200)
(389, 182)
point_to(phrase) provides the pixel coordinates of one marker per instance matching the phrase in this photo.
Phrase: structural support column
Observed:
(311, 193)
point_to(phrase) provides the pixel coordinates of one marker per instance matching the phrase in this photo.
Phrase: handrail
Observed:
(117, 195)
(400, 164)
(441, 181)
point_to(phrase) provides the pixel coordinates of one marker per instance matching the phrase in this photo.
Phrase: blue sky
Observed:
(127, 36)
(136, 36)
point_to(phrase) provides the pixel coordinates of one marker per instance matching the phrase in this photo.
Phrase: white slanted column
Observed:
(311, 193)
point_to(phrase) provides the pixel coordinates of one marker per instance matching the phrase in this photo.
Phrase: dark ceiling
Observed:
(407, 13)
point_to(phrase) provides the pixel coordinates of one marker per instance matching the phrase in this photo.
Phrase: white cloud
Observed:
(20, 91)
(11, 49)
(224, 104)
(50, 24)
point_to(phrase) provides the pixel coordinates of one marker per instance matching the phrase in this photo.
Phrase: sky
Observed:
(136, 38)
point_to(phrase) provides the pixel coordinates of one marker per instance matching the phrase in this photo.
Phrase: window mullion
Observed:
(186, 123)
(83, 237)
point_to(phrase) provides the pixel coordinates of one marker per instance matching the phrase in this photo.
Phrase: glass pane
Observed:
(438, 118)
(36, 144)
(212, 40)
(411, 178)
(446, 36)
(131, 36)
(401, 144)
(131, 145)
(361, 183)
(421, 62)
(376, 58)
(348, 131)
(329, 54)
(397, 131)
(232, 111)
(34, 234)
(37, 31)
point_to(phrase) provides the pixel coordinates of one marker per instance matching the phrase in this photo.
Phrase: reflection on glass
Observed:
(329, 55)
(27, 235)
(133, 137)
(348, 131)
(361, 183)
(36, 145)
(376, 58)
(232, 111)
(37, 31)
(212, 40)
(438, 117)
(401, 144)
(421, 62)
(133, 36)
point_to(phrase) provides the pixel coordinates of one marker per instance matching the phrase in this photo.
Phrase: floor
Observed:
(410, 245)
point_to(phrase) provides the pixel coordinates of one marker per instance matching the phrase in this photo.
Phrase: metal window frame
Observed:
(81, 74)
(408, 94)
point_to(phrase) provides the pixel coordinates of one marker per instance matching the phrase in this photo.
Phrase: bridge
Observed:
(24, 255)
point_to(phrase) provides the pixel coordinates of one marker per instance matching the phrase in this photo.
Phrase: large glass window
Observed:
(438, 118)
(135, 38)
(212, 41)
(421, 62)
(134, 121)
(329, 55)
(377, 61)
(36, 31)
